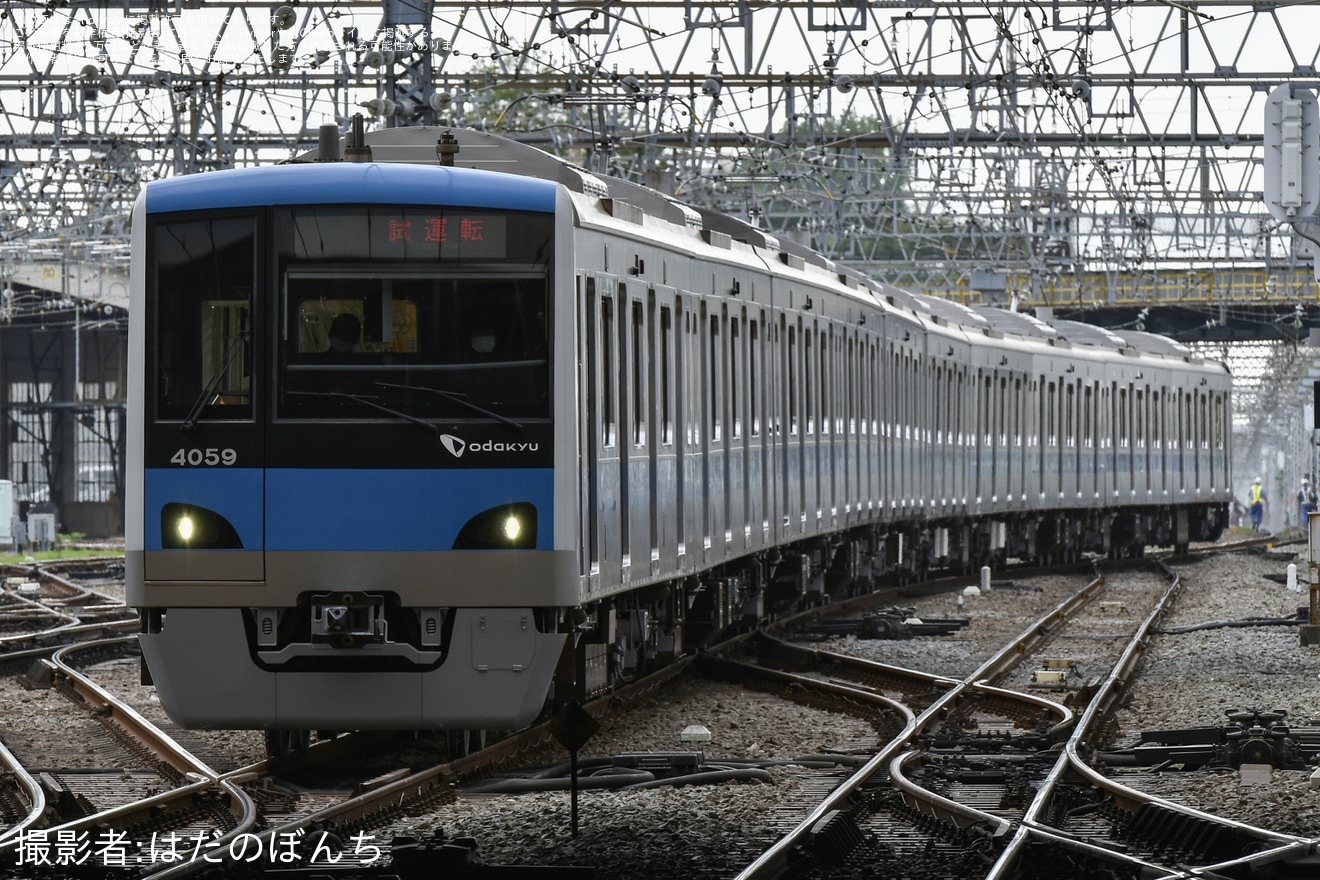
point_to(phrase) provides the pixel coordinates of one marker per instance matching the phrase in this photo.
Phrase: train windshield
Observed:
(373, 328)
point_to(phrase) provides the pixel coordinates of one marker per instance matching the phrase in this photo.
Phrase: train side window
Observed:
(1070, 413)
(1051, 409)
(754, 376)
(792, 369)
(1204, 402)
(609, 370)
(1140, 426)
(736, 356)
(1219, 423)
(1088, 417)
(1156, 422)
(713, 383)
(987, 423)
(1189, 438)
(1123, 418)
(203, 277)
(666, 375)
(638, 403)
(826, 391)
(873, 390)
(1017, 412)
(809, 380)
(1003, 428)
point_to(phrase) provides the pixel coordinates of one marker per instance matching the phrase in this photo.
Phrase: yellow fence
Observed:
(1190, 287)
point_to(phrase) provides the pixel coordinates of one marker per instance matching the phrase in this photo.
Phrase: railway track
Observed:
(972, 778)
(980, 801)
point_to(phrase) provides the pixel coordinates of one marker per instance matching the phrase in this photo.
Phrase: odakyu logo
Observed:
(457, 446)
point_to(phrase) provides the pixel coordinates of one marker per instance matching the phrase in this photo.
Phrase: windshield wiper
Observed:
(190, 421)
(367, 401)
(459, 399)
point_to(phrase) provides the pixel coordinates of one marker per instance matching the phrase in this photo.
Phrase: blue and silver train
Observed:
(426, 436)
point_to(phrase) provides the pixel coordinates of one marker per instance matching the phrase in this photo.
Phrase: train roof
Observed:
(421, 147)
(1089, 334)
(1017, 323)
(1153, 343)
(332, 183)
(952, 312)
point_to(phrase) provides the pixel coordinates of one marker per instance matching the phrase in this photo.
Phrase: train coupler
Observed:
(348, 619)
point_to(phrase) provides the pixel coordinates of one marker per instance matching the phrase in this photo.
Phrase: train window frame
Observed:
(1051, 415)
(1123, 419)
(1139, 418)
(808, 380)
(1088, 417)
(790, 367)
(754, 372)
(1070, 416)
(609, 406)
(397, 308)
(666, 367)
(638, 369)
(714, 378)
(223, 345)
(736, 356)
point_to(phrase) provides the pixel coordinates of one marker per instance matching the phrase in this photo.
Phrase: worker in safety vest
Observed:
(1256, 501)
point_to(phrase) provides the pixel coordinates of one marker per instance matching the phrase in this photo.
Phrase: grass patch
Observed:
(59, 553)
(66, 547)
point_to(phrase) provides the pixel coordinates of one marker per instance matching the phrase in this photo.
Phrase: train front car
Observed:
(342, 412)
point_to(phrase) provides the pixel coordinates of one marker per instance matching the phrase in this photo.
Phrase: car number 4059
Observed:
(208, 457)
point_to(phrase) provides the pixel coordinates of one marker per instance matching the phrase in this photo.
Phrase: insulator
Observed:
(283, 18)
(380, 106)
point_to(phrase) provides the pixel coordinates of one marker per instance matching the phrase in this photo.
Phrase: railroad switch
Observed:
(662, 764)
(40, 675)
(1049, 678)
(1054, 674)
(1001, 739)
(1252, 736)
(67, 803)
(834, 836)
(887, 623)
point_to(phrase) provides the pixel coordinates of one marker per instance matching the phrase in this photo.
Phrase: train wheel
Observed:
(282, 743)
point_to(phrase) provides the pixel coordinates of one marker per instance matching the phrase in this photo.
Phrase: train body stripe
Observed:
(234, 493)
(349, 509)
(350, 183)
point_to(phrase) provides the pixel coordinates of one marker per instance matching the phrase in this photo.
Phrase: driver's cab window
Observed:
(360, 343)
(343, 326)
(202, 348)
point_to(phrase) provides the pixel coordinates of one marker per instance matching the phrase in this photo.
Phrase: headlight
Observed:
(507, 527)
(189, 527)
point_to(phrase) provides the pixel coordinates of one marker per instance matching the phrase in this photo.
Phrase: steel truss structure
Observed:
(996, 150)
(923, 141)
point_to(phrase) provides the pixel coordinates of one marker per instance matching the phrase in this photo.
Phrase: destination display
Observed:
(319, 233)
